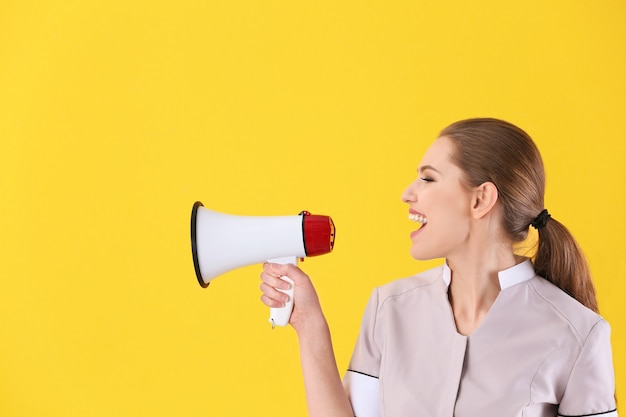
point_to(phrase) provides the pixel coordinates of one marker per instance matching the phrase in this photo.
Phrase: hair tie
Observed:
(541, 220)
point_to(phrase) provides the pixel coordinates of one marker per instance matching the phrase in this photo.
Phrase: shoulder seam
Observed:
(581, 340)
(437, 278)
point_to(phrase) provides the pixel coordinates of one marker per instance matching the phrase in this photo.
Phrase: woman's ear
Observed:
(484, 199)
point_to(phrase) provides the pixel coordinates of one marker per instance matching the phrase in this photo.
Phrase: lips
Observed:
(417, 217)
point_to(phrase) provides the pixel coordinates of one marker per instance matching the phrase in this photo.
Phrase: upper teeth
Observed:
(418, 218)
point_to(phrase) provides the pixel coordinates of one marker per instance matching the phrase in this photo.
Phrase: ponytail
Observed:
(561, 261)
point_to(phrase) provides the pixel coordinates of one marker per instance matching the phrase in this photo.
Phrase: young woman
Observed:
(489, 333)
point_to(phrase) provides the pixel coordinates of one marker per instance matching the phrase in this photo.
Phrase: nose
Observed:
(410, 194)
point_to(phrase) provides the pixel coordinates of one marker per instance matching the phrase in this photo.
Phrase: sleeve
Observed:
(361, 378)
(590, 389)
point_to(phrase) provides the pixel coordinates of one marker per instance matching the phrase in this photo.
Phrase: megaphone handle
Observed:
(280, 316)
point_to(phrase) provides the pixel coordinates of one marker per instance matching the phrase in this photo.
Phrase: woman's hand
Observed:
(307, 311)
(324, 391)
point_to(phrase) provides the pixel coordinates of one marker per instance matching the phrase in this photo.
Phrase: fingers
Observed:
(290, 270)
(272, 284)
(272, 274)
(272, 297)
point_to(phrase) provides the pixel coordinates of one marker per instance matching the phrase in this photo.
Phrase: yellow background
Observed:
(115, 116)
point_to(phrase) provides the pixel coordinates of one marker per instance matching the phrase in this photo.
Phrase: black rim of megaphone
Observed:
(194, 248)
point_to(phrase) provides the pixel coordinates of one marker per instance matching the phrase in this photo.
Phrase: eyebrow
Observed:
(430, 167)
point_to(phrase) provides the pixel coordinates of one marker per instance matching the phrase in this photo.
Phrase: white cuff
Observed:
(364, 394)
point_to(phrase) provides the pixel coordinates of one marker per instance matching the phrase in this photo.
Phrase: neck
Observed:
(475, 285)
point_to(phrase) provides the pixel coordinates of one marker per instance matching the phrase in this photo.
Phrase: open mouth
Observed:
(418, 218)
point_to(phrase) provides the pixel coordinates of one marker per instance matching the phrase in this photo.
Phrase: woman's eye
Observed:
(426, 179)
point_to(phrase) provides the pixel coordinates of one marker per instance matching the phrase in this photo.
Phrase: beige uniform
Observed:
(538, 352)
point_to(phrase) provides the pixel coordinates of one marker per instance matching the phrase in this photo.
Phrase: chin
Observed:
(420, 255)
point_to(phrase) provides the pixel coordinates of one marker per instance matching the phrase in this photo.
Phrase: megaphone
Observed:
(222, 242)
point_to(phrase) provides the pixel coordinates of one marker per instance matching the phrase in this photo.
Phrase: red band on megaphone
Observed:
(319, 234)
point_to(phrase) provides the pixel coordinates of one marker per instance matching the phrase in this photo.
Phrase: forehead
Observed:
(438, 155)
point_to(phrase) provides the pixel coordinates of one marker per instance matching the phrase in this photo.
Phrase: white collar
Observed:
(509, 277)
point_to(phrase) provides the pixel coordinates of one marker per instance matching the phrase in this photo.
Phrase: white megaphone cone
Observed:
(223, 242)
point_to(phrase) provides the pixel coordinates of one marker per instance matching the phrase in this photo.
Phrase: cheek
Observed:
(452, 207)
(452, 219)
